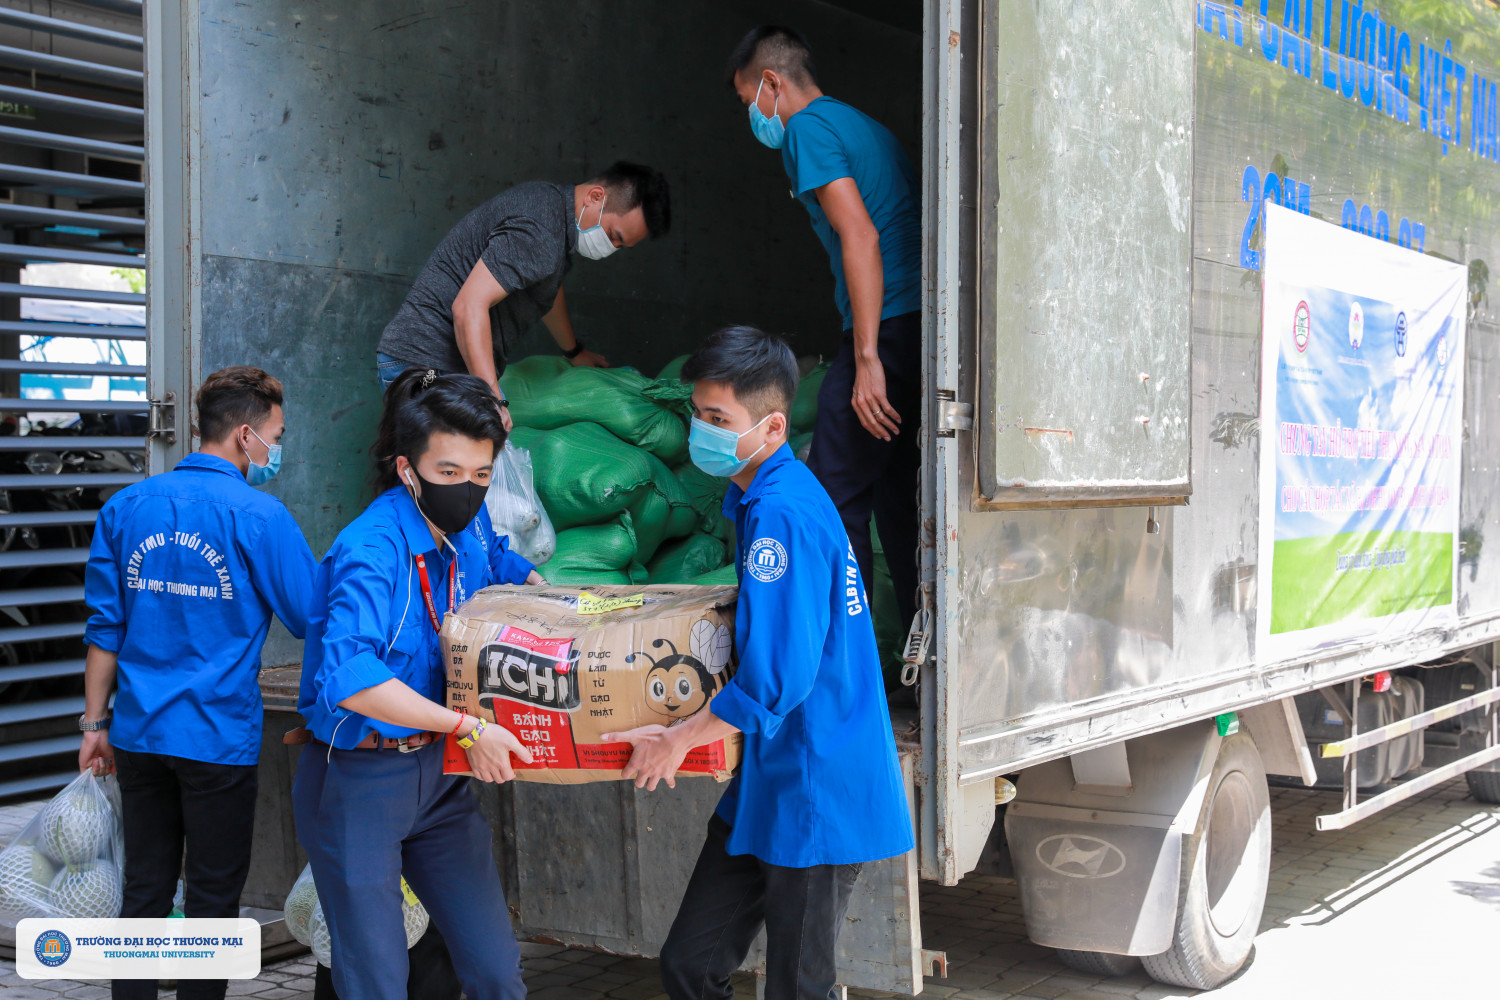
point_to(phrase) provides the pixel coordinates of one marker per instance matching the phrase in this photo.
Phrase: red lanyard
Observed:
(427, 590)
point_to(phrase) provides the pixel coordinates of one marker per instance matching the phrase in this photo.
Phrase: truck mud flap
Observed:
(1099, 864)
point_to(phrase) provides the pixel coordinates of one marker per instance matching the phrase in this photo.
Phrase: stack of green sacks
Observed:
(604, 444)
(610, 458)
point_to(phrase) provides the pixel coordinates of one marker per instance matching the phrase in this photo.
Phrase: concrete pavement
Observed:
(1405, 904)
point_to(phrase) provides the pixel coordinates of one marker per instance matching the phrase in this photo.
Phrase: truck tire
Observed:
(1225, 866)
(1098, 963)
(1484, 785)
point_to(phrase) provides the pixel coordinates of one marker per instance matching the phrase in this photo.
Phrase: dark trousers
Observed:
(169, 800)
(431, 975)
(865, 475)
(365, 818)
(728, 900)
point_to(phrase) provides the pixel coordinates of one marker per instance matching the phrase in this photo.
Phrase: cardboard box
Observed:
(561, 666)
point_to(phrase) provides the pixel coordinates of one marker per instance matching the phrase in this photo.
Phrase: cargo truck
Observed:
(1104, 188)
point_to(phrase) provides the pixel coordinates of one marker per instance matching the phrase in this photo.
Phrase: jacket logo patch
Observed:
(766, 561)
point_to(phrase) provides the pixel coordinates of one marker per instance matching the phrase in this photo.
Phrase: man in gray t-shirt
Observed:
(501, 268)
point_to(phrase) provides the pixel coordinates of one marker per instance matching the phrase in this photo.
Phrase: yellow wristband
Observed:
(468, 741)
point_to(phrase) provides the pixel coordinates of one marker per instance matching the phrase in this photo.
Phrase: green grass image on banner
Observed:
(1308, 590)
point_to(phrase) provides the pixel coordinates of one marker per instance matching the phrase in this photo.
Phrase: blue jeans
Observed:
(365, 818)
(388, 368)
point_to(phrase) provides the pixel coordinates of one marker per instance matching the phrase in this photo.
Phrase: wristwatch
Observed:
(577, 349)
(87, 726)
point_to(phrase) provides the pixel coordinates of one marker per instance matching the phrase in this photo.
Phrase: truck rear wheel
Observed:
(1484, 785)
(1225, 867)
(1098, 963)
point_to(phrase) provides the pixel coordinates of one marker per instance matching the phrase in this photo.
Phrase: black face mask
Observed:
(450, 506)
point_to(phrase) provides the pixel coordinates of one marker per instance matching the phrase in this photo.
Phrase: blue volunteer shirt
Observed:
(184, 573)
(828, 140)
(368, 621)
(820, 783)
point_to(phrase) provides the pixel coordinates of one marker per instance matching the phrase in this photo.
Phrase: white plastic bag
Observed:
(303, 912)
(300, 903)
(515, 508)
(69, 860)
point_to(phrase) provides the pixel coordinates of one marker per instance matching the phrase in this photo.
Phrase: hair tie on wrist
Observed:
(429, 378)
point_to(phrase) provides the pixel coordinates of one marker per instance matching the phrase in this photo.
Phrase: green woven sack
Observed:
(658, 520)
(805, 407)
(586, 475)
(686, 559)
(661, 511)
(526, 437)
(706, 494)
(596, 554)
(616, 400)
(724, 575)
(594, 577)
(529, 378)
(673, 368)
(603, 546)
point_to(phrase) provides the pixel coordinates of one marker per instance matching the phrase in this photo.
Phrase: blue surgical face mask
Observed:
(593, 242)
(770, 131)
(716, 450)
(259, 475)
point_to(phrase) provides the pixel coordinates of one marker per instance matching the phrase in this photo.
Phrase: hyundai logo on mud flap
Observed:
(1077, 856)
(531, 677)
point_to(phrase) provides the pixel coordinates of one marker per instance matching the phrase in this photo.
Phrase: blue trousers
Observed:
(365, 818)
(389, 369)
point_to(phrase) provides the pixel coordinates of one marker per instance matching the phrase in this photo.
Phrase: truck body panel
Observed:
(304, 159)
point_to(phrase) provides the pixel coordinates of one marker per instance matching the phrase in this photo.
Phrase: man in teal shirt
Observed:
(862, 195)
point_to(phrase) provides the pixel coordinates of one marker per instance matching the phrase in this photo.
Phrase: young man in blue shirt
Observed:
(862, 196)
(184, 573)
(820, 790)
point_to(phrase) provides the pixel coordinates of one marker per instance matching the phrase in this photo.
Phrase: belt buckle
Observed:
(402, 747)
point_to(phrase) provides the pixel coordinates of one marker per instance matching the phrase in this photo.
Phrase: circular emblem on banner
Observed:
(1356, 324)
(53, 948)
(766, 560)
(1442, 351)
(1302, 326)
(1401, 335)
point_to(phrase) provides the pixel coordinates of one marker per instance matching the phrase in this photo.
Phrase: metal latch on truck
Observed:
(163, 418)
(953, 416)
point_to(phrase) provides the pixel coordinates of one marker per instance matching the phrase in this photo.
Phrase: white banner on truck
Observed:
(181, 948)
(1362, 379)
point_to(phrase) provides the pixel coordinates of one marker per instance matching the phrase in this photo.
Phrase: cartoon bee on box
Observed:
(680, 684)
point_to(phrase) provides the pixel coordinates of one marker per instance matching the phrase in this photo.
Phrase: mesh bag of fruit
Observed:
(68, 861)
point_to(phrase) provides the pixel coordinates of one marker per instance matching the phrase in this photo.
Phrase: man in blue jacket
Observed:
(184, 573)
(820, 790)
(863, 199)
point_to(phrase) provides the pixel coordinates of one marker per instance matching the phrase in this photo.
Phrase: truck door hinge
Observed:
(953, 416)
(162, 422)
(918, 646)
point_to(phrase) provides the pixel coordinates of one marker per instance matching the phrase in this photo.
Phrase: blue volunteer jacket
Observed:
(367, 619)
(820, 783)
(184, 573)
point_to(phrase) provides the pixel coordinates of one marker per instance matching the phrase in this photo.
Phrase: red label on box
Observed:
(556, 648)
(614, 757)
(549, 737)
